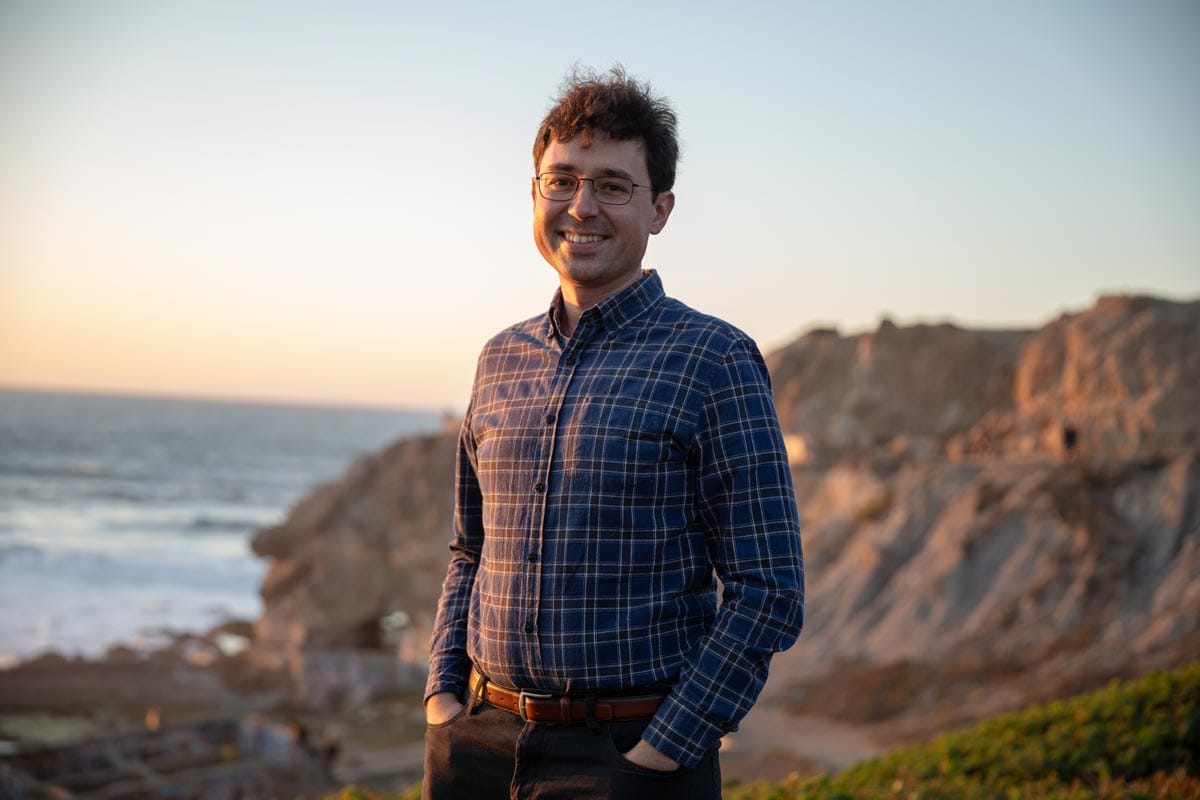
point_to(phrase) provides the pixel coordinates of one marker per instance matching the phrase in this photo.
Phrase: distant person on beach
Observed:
(619, 449)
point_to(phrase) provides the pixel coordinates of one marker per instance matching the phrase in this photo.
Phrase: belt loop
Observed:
(564, 710)
(477, 696)
(589, 712)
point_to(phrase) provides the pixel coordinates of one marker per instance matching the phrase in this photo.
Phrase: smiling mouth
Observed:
(582, 238)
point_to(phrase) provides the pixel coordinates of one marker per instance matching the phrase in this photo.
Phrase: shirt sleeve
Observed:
(449, 664)
(748, 507)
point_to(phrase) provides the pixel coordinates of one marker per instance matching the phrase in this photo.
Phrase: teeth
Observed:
(581, 238)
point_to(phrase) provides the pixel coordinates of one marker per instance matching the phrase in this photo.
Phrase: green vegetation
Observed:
(1139, 739)
(1132, 740)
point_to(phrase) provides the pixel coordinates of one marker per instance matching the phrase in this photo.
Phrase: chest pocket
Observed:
(622, 449)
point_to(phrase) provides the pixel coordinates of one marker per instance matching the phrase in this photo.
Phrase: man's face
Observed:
(594, 247)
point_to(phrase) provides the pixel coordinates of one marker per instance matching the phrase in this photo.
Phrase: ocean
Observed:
(124, 519)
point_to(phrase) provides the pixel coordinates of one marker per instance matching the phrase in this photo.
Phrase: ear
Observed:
(533, 190)
(662, 209)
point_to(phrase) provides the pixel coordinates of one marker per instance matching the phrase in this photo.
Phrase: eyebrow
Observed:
(604, 172)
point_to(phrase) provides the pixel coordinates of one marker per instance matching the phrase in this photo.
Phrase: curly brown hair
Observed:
(620, 107)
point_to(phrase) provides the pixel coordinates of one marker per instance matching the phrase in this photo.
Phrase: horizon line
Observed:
(219, 398)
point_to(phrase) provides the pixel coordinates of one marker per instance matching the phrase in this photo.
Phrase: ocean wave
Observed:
(207, 524)
(186, 521)
(19, 551)
(82, 468)
(24, 489)
(119, 512)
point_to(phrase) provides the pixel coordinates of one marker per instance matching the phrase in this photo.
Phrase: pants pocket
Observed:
(623, 737)
(462, 712)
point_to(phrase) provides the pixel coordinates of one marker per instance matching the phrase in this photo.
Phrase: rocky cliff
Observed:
(989, 517)
(355, 572)
(900, 388)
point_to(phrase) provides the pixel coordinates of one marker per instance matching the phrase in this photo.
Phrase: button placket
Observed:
(568, 359)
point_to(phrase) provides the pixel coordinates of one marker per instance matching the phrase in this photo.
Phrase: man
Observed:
(617, 450)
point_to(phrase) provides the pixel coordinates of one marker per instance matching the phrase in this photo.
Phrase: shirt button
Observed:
(533, 558)
(529, 627)
(539, 487)
(549, 419)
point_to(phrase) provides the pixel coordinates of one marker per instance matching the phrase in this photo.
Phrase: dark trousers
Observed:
(485, 753)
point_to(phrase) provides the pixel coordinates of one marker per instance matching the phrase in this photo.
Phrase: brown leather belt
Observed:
(563, 709)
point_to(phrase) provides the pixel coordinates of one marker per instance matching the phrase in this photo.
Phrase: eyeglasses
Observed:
(611, 190)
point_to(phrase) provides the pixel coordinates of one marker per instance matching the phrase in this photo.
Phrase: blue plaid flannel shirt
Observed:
(601, 479)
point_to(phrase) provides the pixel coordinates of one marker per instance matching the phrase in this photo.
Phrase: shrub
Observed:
(1139, 739)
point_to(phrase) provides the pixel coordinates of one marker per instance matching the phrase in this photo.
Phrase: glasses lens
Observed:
(615, 191)
(557, 185)
(612, 190)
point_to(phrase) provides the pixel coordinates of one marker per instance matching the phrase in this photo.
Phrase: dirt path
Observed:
(772, 743)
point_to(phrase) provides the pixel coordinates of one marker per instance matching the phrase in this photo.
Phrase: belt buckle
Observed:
(523, 696)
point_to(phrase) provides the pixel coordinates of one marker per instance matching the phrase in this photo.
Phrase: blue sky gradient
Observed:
(329, 202)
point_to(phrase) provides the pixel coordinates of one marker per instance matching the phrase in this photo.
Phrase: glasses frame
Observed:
(537, 180)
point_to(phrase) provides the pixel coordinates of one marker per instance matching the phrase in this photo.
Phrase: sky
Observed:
(328, 202)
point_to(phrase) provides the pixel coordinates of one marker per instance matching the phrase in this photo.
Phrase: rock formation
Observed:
(990, 517)
(1048, 545)
(351, 557)
(896, 386)
(1122, 377)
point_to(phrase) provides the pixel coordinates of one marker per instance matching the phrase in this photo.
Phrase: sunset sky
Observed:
(329, 202)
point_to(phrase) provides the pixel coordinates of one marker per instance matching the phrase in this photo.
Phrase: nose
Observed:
(584, 203)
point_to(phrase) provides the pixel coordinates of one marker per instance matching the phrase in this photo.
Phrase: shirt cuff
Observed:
(680, 734)
(444, 684)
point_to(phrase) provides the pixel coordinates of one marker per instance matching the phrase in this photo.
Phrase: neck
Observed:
(569, 317)
(577, 299)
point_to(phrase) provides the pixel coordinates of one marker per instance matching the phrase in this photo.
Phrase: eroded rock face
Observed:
(1041, 548)
(954, 543)
(351, 553)
(1115, 381)
(853, 394)
(1008, 556)
(961, 589)
(1122, 375)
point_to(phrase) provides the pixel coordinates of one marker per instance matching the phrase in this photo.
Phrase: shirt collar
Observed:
(617, 311)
